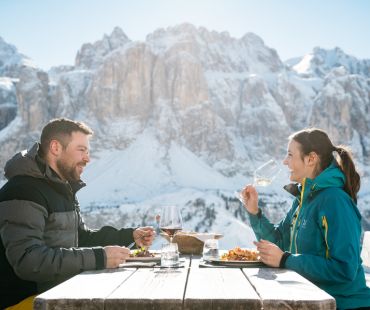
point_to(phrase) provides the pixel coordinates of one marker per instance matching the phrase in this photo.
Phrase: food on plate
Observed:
(142, 252)
(240, 255)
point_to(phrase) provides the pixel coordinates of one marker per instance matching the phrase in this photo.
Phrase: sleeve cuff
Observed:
(283, 259)
(99, 258)
(258, 215)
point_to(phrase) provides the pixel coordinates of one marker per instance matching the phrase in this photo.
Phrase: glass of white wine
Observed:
(266, 173)
(263, 175)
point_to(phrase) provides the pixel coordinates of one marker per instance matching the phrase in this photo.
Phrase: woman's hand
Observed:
(249, 197)
(270, 253)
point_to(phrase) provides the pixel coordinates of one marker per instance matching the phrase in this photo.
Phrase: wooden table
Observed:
(190, 287)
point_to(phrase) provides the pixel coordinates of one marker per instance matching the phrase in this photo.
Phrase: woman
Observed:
(320, 235)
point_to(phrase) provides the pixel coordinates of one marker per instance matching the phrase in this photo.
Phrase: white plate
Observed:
(156, 258)
(237, 263)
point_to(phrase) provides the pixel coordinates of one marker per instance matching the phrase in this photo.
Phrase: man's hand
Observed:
(270, 253)
(144, 236)
(115, 255)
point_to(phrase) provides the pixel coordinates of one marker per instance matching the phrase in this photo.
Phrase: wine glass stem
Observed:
(171, 237)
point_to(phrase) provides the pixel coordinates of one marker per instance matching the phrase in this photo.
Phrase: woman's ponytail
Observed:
(346, 164)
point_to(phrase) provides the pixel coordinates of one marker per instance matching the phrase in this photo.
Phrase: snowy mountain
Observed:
(90, 56)
(185, 117)
(11, 65)
(320, 62)
(11, 61)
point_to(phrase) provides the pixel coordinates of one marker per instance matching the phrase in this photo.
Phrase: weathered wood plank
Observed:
(219, 288)
(285, 289)
(87, 290)
(151, 288)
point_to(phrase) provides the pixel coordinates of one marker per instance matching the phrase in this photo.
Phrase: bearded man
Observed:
(43, 239)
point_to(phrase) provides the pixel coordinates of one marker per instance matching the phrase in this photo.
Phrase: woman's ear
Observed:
(312, 159)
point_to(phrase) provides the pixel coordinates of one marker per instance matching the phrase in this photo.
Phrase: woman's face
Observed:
(299, 168)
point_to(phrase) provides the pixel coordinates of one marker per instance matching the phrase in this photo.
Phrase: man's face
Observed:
(72, 159)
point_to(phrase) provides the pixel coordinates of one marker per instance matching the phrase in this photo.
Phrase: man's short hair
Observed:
(61, 129)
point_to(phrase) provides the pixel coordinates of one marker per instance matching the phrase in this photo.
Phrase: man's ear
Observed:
(55, 147)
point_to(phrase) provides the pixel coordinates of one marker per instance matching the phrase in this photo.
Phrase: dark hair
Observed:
(61, 129)
(317, 140)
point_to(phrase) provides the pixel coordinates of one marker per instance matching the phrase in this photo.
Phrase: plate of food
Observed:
(238, 257)
(144, 255)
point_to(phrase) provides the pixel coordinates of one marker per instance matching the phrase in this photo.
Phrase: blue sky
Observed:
(51, 31)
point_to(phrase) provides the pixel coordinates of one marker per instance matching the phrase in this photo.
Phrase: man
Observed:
(44, 240)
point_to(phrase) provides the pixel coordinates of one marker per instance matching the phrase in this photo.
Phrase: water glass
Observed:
(169, 255)
(210, 249)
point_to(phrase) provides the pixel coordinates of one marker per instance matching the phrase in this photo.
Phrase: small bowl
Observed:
(191, 242)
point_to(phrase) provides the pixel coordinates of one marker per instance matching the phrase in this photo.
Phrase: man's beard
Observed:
(68, 172)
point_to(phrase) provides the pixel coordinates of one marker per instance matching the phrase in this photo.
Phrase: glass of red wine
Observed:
(171, 221)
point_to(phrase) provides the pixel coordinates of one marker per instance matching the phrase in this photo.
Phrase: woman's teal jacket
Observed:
(322, 231)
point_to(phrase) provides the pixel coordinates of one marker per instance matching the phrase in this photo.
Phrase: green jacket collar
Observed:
(330, 177)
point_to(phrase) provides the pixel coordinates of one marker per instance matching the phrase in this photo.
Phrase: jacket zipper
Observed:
(293, 236)
(75, 213)
(326, 228)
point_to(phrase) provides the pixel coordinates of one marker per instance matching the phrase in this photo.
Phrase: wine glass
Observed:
(263, 175)
(170, 221)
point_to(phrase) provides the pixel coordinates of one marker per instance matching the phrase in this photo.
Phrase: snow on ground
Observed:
(131, 175)
(202, 211)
